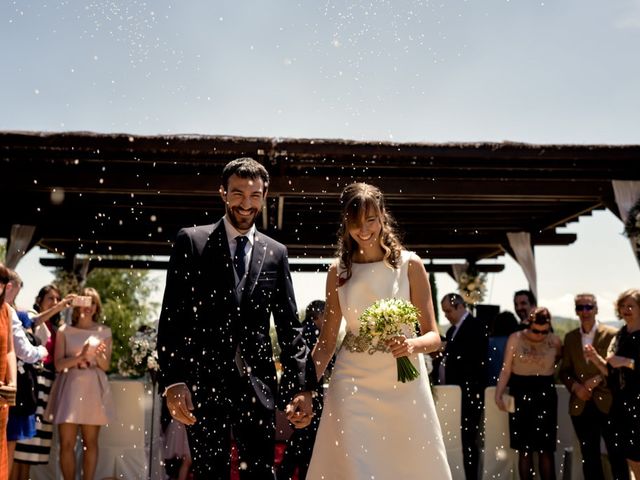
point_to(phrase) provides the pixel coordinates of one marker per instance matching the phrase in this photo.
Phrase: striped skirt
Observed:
(36, 450)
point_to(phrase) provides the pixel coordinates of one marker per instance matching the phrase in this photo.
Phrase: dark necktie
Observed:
(238, 259)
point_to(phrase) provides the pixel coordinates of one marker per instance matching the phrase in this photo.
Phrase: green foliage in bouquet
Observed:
(384, 320)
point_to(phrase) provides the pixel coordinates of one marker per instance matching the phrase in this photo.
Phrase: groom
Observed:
(224, 282)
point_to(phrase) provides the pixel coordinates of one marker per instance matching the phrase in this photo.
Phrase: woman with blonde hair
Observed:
(621, 369)
(372, 424)
(81, 397)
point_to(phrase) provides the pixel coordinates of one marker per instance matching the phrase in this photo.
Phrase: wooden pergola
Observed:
(113, 195)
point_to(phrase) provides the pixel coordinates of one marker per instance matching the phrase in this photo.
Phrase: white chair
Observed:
(448, 400)
(500, 461)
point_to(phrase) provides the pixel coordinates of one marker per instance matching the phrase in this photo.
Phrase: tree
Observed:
(125, 305)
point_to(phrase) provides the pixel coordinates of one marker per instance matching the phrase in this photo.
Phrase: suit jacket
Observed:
(574, 367)
(466, 355)
(203, 323)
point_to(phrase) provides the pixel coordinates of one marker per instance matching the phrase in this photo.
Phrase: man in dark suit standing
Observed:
(464, 363)
(524, 303)
(591, 399)
(224, 282)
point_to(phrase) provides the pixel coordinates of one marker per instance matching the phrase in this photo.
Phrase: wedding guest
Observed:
(591, 397)
(373, 425)
(524, 303)
(43, 319)
(7, 371)
(81, 396)
(176, 453)
(464, 363)
(622, 376)
(529, 363)
(500, 327)
(22, 419)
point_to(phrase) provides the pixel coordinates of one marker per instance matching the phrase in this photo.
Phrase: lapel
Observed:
(216, 255)
(599, 338)
(449, 334)
(255, 264)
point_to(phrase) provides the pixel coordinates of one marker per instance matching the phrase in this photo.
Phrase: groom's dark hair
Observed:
(245, 167)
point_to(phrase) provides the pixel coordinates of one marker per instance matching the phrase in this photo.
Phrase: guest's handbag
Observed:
(509, 402)
(26, 400)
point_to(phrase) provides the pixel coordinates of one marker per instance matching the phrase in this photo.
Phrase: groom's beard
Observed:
(240, 222)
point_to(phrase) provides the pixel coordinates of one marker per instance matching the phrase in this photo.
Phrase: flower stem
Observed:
(406, 371)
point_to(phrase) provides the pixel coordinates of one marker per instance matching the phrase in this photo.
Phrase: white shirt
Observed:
(459, 324)
(232, 233)
(587, 338)
(25, 351)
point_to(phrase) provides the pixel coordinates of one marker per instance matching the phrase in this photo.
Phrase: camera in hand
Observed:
(81, 301)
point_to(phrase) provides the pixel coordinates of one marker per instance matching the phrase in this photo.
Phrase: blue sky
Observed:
(453, 70)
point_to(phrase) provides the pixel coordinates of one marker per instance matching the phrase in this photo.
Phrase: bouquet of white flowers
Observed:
(144, 356)
(383, 320)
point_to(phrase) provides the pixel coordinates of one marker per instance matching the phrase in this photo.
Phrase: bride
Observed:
(372, 426)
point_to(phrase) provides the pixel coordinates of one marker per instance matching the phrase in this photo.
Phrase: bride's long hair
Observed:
(357, 200)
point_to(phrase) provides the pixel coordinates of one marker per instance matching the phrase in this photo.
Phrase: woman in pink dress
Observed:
(7, 370)
(81, 397)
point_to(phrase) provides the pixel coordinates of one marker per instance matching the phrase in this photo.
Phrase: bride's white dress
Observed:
(372, 426)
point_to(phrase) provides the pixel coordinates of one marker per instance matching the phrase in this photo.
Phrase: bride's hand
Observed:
(400, 346)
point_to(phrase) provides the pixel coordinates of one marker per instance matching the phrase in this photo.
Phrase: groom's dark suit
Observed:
(216, 341)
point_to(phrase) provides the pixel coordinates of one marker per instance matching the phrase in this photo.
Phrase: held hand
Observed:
(67, 301)
(85, 350)
(400, 346)
(591, 354)
(42, 351)
(300, 411)
(82, 359)
(616, 361)
(500, 403)
(101, 349)
(593, 382)
(179, 404)
(582, 392)
(82, 362)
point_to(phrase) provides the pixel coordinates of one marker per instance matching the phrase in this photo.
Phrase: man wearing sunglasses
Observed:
(590, 397)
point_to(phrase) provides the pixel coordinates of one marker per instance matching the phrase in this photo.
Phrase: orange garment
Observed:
(6, 346)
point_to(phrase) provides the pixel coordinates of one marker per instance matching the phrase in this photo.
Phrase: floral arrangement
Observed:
(472, 285)
(632, 228)
(384, 320)
(144, 356)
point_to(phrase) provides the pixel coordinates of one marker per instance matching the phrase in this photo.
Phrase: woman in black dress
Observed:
(623, 378)
(530, 360)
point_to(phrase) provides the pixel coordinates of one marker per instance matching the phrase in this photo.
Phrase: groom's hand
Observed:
(300, 410)
(179, 403)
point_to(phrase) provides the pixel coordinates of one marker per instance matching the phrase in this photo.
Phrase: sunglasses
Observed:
(539, 332)
(584, 308)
